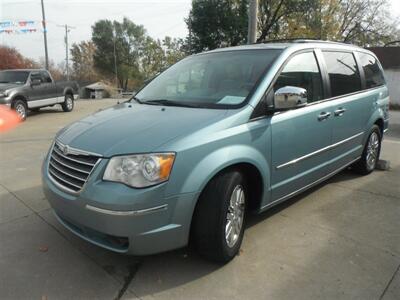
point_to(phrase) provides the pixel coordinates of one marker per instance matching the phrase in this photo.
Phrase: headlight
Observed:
(140, 170)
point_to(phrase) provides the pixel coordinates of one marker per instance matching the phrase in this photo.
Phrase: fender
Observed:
(223, 158)
(381, 107)
(68, 90)
(18, 95)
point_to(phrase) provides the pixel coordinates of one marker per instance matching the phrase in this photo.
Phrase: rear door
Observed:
(300, 136)
(351, 109)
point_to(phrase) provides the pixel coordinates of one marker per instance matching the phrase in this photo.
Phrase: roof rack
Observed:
(300, 40)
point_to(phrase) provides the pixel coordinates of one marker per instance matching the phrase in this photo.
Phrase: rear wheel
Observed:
(218, 224)
(21, 108)
(68, 104)
(370, 156)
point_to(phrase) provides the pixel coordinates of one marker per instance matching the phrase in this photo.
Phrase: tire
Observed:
(21, 108)
(371, 152)
(223, 199)
(68, 104)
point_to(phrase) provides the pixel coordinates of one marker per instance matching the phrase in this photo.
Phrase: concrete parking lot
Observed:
(340, 240)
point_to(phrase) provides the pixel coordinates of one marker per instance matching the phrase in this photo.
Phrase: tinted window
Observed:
(343, 73)
(373, 73)
(36, 76)
(302, 71)
(45, 77)
(18, 77)
(210, 80)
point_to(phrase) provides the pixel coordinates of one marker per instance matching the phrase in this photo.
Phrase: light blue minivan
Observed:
(215, 136)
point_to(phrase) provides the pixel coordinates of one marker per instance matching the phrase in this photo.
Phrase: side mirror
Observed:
(36, 82)
(290, 97)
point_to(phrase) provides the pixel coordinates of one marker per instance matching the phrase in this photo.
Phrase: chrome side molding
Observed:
(304, 188)
(296, 160)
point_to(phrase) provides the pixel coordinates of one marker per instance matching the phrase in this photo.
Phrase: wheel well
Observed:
(17, 98)
(69, 93)
(379, 122)
(254, 182)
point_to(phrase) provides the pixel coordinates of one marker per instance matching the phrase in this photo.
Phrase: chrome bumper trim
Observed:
(128, 212)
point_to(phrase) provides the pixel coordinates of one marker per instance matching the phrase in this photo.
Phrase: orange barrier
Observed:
(9, 119)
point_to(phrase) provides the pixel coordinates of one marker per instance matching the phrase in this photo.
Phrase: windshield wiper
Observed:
(4, 82)
(134, 98)
(166, 102)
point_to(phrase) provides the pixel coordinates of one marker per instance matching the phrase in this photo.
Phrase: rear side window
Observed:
(372, 71)
(36, 76)
(45, 77)
(343, 73)
(302, 71)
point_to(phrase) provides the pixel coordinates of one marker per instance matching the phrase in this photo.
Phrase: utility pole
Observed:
(115, 57)
(252, 29)
(67, 30)
(46, 55)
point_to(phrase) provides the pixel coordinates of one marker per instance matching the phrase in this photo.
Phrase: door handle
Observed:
(339, 112)
(323, 116)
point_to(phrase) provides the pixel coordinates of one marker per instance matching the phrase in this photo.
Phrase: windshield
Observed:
(18, 77)
(220, 79)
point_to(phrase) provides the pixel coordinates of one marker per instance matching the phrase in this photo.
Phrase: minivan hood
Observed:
(129, 128)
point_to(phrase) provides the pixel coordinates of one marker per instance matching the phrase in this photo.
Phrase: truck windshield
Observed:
(18, 77)
(212, 80)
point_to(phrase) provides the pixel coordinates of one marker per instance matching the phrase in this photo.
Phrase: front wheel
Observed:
(68, 104)
(218, 224)
(21, 108)
(370, 155)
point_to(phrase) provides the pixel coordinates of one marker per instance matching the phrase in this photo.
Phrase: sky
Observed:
(159, 17)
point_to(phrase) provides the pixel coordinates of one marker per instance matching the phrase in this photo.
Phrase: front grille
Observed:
(70, 170)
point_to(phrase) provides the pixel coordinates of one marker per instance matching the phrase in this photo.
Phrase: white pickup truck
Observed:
(31, 89)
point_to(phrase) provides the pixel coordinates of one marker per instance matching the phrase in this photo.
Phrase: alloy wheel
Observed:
(21, 111)
(372, 150)
(235, 216)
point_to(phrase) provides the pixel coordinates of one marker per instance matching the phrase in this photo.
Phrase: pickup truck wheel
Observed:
(370, 155)
(218, 224)
(68, 104)
(21, 109)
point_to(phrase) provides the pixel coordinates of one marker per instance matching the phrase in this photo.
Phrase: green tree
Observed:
(128, 41)
(137, 55)
(82, 56)
(216, 23)
(174, 50)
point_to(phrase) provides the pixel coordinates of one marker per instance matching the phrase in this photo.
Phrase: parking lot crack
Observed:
(390, 282)
(76, 248)
(127, 281)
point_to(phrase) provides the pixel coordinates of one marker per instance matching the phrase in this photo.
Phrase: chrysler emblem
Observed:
(65, 150)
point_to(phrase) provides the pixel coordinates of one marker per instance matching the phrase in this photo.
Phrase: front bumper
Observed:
(120, 218)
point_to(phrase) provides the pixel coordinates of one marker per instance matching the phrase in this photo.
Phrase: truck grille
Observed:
(70, 169)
